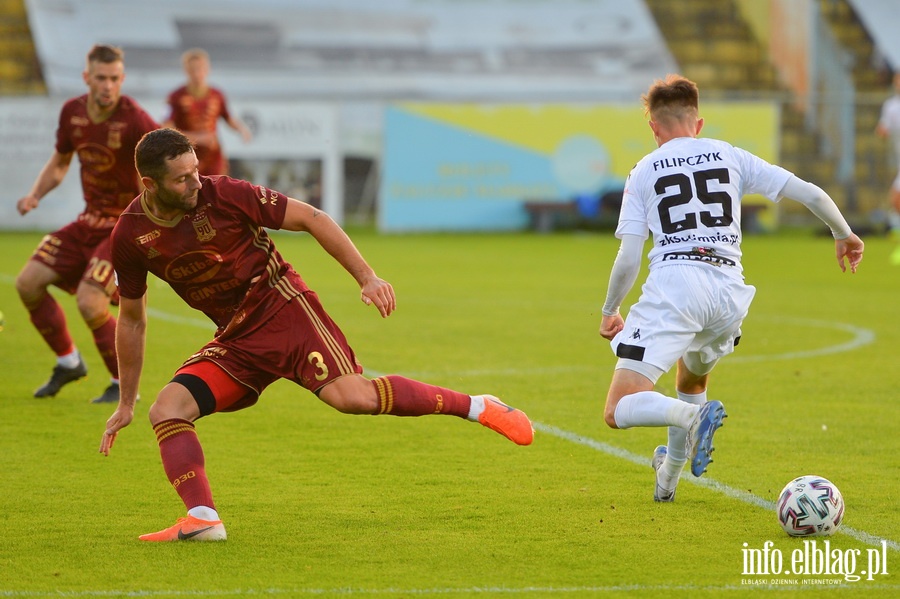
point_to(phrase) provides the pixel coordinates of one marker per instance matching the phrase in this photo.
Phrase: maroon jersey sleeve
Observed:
(128, 262)
(255, 204)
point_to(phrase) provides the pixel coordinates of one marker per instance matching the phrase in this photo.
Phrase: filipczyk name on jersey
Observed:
(690, 161)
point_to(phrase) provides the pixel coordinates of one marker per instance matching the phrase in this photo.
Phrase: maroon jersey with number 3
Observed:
(106, 154)
(217, 257)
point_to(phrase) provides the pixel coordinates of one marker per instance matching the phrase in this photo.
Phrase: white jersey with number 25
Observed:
(687, 193)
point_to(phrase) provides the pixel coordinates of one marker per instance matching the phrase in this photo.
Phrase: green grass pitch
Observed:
(320, 504)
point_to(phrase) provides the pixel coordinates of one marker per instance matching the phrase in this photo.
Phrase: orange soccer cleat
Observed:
(506, 420)
(189, 529)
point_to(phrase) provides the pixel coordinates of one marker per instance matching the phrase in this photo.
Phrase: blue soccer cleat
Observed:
(699, 445)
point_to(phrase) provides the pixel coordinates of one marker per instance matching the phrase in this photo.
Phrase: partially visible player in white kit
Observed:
(889, 128)
(687, 194)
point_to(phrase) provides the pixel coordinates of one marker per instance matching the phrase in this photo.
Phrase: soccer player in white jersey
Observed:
(687, 196)
(889, 128)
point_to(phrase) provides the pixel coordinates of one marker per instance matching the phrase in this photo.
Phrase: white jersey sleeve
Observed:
(687, 196)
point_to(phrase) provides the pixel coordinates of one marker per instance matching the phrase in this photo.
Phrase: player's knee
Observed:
(157, 413)
(28, 289)
(173, 402)
(351, 395)
(610, 419)
(609, 415)
(93, 306)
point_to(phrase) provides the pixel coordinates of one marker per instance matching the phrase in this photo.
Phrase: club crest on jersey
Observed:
(203, 228)
(114, 139)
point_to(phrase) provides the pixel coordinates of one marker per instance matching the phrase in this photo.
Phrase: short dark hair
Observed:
(155, 148)
(672, 97)
(105, 54)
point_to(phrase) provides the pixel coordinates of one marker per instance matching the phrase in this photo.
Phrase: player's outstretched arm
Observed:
(621, 279)
(847, 244)
(51, 175)
(130, 336)
(300, 216)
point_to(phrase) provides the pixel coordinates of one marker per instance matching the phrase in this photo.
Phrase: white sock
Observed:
(649, 408)
(69, 360)
(204, 513)
(677, 435)
(676, 457)
(476, 407)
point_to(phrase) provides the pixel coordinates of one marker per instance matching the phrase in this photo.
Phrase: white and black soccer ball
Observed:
(810, 506)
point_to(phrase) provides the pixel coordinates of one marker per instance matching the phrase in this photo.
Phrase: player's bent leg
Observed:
(50, 321)
(660, 493)
(625, 381)
(93, 304)
(400, 396)
(692, 375)
(172, 415)
(33, 280)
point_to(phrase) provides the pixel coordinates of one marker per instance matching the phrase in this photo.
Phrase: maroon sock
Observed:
(50, 321)
(105, 340)
(182, 459)
(400, 396)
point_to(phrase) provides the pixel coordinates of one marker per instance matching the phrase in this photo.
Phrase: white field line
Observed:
(859, 535)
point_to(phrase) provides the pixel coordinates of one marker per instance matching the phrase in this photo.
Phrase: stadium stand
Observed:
(20, 70)
(854, 25)
(716, 46)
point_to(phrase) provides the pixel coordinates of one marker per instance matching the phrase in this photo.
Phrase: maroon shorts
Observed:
(77, 253)
(299, 343)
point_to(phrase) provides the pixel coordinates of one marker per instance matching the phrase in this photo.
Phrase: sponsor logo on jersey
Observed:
(194, 267)
(99, 158)
(148, 237)
(267, 196)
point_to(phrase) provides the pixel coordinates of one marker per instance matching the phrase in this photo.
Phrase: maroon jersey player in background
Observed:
(205, 237)
(195, 111)
(103, 127)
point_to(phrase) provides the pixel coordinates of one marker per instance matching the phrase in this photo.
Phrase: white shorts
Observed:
(683, 309)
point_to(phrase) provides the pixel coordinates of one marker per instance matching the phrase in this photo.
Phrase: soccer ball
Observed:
(810, 506)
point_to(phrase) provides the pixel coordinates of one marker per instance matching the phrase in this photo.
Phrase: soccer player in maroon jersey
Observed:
(196, 109)
(205, 237)
(102, 127)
